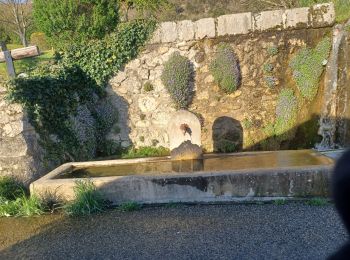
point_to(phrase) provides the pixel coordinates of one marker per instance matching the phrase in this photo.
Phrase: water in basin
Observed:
(210, 163)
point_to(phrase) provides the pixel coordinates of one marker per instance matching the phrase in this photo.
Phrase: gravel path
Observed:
(291, 231)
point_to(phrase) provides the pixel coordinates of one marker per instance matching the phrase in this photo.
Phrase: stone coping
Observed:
(317, 16)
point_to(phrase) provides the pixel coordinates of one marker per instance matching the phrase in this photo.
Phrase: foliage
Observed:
(10, 189)
(247, 124)
(177, 77)
(272, 50)
(146, 151)
(279, 202)
(69, 21)
(226, 146)
(63, 106)
(143, 7)
(270, 81)
(22, 206)
(286, 112)
(129, 206)
(308, 65)
(317, 202)
(39, 39)
(225, 68)
(268, 67)
(148, 87)
(87, 200)
(100, 59)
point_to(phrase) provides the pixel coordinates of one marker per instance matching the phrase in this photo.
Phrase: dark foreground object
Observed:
(291, 231)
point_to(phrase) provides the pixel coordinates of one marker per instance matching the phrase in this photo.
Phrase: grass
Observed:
(129, 206)
(10, 189)
(342, 7)
(26, 64)
(146, 151)
(87, 200)
(317, 202)
(279, 202)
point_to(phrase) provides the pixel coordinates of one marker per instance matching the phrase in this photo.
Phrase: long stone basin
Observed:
(217, 178)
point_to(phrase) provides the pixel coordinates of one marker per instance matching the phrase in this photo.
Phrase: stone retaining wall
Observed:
(145, 114)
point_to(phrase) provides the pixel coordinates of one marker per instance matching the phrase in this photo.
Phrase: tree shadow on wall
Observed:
(227, 135)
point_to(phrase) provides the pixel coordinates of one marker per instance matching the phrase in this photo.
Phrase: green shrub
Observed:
(225, 68)
(308, 65)
(21, 207)
(100, 59)
(87, 200)
(286, 112)
(148, 86)
(146, 151)
(39, 39)
(177, 78)
(129, 206)
(10, 189)
(226, 146)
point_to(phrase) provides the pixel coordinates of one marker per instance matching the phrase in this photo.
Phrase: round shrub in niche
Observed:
(225, 68)
(177, 78)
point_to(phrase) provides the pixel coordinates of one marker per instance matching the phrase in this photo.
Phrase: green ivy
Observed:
(100, 59)
(308, 65)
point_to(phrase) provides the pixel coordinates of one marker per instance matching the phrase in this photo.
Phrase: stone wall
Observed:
(145, 114)
(20, 154)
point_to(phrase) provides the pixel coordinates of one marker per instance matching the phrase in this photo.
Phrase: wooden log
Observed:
(21, 53)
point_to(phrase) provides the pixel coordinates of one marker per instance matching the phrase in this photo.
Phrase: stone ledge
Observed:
(320, 15)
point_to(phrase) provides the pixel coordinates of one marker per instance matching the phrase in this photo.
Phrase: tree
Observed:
(141, 6)
(16, 16)
(68, 21)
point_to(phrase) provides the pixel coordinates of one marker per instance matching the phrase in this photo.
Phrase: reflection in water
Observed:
(211, 163)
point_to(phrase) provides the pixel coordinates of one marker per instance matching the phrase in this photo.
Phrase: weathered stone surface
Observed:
(168, 32)
(234, 24)
(187, 151)
(185, 30)
(156, 37)
(323, 15)
(205, 28)
(268, 20)
(177, 135)
(297, 18)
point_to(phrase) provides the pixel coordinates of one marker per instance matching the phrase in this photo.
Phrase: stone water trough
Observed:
(190, 176)
(215, 178)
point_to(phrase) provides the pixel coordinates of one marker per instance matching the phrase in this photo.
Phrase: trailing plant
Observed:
(308, 65)
(286, 112)
(177, 78)
(87, 200)
(225, 68)
(100, 59)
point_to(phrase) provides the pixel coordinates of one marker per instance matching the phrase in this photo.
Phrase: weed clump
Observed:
(129, 206)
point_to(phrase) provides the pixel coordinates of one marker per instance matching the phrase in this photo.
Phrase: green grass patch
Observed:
(146, 151)
(87, 200)
(307, 66)
(317, 202)
(279, 202)
(10, 189)
(27, 64)
(21, 207)
(129, 206)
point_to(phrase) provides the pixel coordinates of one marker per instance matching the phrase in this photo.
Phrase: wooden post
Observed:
(9, 62)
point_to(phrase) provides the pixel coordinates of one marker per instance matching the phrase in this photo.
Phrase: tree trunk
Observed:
(24, 40)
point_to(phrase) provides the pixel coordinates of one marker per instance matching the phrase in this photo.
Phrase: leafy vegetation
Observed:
(286, 112)
(87, 200)
(10, 189)
(100, 59)
(148, 87)
(279, 202)
(39, 39)
(129, 206)
(317, 202)
(177, 77)
(308, 65)
(225, 68)
(70, 21)
(146, 151)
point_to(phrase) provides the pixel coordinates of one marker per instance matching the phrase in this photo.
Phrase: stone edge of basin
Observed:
(229, 186)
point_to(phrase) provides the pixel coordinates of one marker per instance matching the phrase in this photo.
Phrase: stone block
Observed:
(234, 24)
(185, 30)
(168, 32)
(205, 28)
(297, 18)
(322, 15)
(156, 37)
(13, 147)
(268, 20)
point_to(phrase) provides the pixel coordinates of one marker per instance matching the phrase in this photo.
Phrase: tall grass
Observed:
(87, 200)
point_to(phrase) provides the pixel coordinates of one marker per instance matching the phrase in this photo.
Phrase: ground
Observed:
(269, 231)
